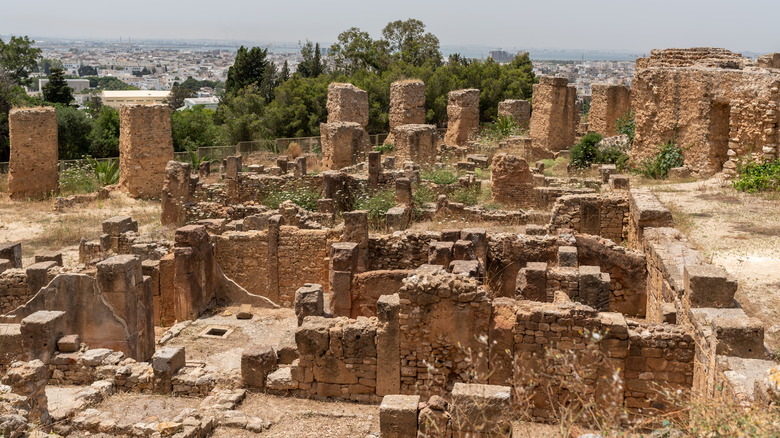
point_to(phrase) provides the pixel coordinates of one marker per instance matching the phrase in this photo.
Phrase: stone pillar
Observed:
(501, 341)
(145, 148)
(608, 103)
(415, 143)
(553, 124)
(40, 333)
(343, 264)
(407, 105)
(274, 225)
(462, 116)
(356, 230)
(374, 168)
(175, 193)
(165, 362)
(343, 144)
(233, 166)
(388, 360)
(33, 167)
(512, 180)
(519, 110)
(300, 167)
(403, 191)
(347, 103)
(194, 278)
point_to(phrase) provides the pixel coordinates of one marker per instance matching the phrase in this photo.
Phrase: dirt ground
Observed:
(739, 232)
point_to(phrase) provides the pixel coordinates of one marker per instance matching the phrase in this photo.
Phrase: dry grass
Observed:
(294, 151)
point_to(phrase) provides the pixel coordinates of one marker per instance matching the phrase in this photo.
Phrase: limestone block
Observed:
(479, 408)
(555, 113)
(464, 250)
(619, 182)
(40, 333)
(175, 193)
(257, 362)
(309, 301)
(609, 102)
(33, 166)
(343, 144)
(118, 225)
(347, 103)
(466, 268)
(403, 191)
(739, 336)
(606, 170)
(13, 253)
(567, 256)
(417, 143)
(312, 337)
(462, 116)
(709, 286)
(398, 416)
(407, 103)
(512, 179)
(388, 376)
(69, 344)
(532, 282)
(440, 253)
(244, 312)
(38, 275)
(281, 380)
(145, 148)
(49, 256)
(397, 219)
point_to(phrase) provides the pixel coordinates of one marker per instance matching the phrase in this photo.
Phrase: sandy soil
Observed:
(739, 232)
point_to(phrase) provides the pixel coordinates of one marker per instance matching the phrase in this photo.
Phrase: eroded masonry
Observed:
(593, 297)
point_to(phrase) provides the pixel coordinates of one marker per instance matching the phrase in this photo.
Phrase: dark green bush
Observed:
(625, 124)
(613, 155)
(666, 156)
(584, 153)
(755, 177)
(385, 148)
(440, 176)
(465, 195)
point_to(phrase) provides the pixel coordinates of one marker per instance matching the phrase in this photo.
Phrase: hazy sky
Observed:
(625, 25)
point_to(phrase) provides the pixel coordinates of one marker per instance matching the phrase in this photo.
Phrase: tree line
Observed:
(260, 101)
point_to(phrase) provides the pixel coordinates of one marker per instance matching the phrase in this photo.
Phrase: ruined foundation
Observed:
(145, 148)
(33, 166)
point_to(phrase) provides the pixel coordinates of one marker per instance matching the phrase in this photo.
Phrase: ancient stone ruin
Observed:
(608, 104)
(555, 116)
(407, 105)
(716, 104)
(33, 167)
(516, 109)
(145, 148)
(462, 116)
(344, 138)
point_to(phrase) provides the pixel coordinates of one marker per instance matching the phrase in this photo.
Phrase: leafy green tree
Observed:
(270, 82)
(87, 70)
(242, 115)
(176, 98)
(193, 128)
(298, 108)
(18, 57)
(355, 51)
(249, 68)
(104, 137)
(284, 73)
(45, 65)
(311, 66)
(74, 129)
(57, 89)
(408, 42)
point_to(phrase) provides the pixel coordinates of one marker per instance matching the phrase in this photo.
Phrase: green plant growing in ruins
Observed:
(503, 127)
(78, 178)
(420, 196)
(466, 195)
(758, 177)
(376, 205)
(480, 173)
(440, 176)
(106, 172)
(667, 156)
(302, 196)
(613, 155)
(625, 125)
(195, 161)
(585, 153)
(385, 148)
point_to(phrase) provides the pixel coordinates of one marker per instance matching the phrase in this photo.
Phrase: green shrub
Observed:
(78, 178)
(584, 153)
(376, 206)
(755, 177)
(613, 155)
(302, 196)
(440, 176)
(466, 196)
(502, 128)
(385, 148)
(666, 156)
(482, 173)
(421, 196)
(625, 125)
(106, 172)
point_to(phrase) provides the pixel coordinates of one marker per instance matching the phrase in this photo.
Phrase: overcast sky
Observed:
(625, 25)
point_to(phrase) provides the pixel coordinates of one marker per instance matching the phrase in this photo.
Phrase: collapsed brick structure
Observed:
(145, 148)
(712, 102)
(33, 166)
(555, 115)
(608, 103)
(516, 109)
(462, 116)
(407, 105)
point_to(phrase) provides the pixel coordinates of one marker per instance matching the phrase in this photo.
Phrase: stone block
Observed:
(145, 148)
(619, 182)
(38, 275)
(535, 230)
(397, 219)
(257, 362)
(49, 256)
(484, 409)
(347, 103)
(403, 191)
(531, 282)
(118, 225)
(5, 265)
(567, 257)
(281, 380)
(462, 116)
(244, 312)
(40, 333)
(708, 286)
(168, 360)
(477, 236)
(309, 301)
(13, 253)
(606, 170)
(466, 268)
(739, 336)
(398, 416)
(233, 166)
(312, 337)
(69, 344)
(440, 253)
(416, 143)
(32, 167)
(678, 173)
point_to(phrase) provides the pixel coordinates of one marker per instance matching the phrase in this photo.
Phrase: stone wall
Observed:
(555, 114)
(367, 287)
(705, 56)
(404, 251)
(343, 144)
(512, 179)
(416, 143)
(33, 167)
(462, 116)
(519, 110)
(347, 103)
(604, 215)
(646, 211)
(145, 148)
(608, 103)
(407, 104)
(14, 290)
(716, 114)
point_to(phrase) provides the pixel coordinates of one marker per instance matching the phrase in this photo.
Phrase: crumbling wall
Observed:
(415, 143)
(512, 179)
(407, 105)
(195, 276)
(343, 144)
(608, 103)
(713, 113)
(462, 116)
(347, 103)
(516, 109)
(145, 148)
(14, 290)
(604, 215)
(704, 56)
(404, 251)
(368, 286)
(555, 114)
(302, 256)
(645, 211)
(33, 166)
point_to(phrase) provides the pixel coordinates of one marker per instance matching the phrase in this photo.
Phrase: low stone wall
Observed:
(367, 287)
(14, 290)
(406, 250)
(605, 215)
(645, 211)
